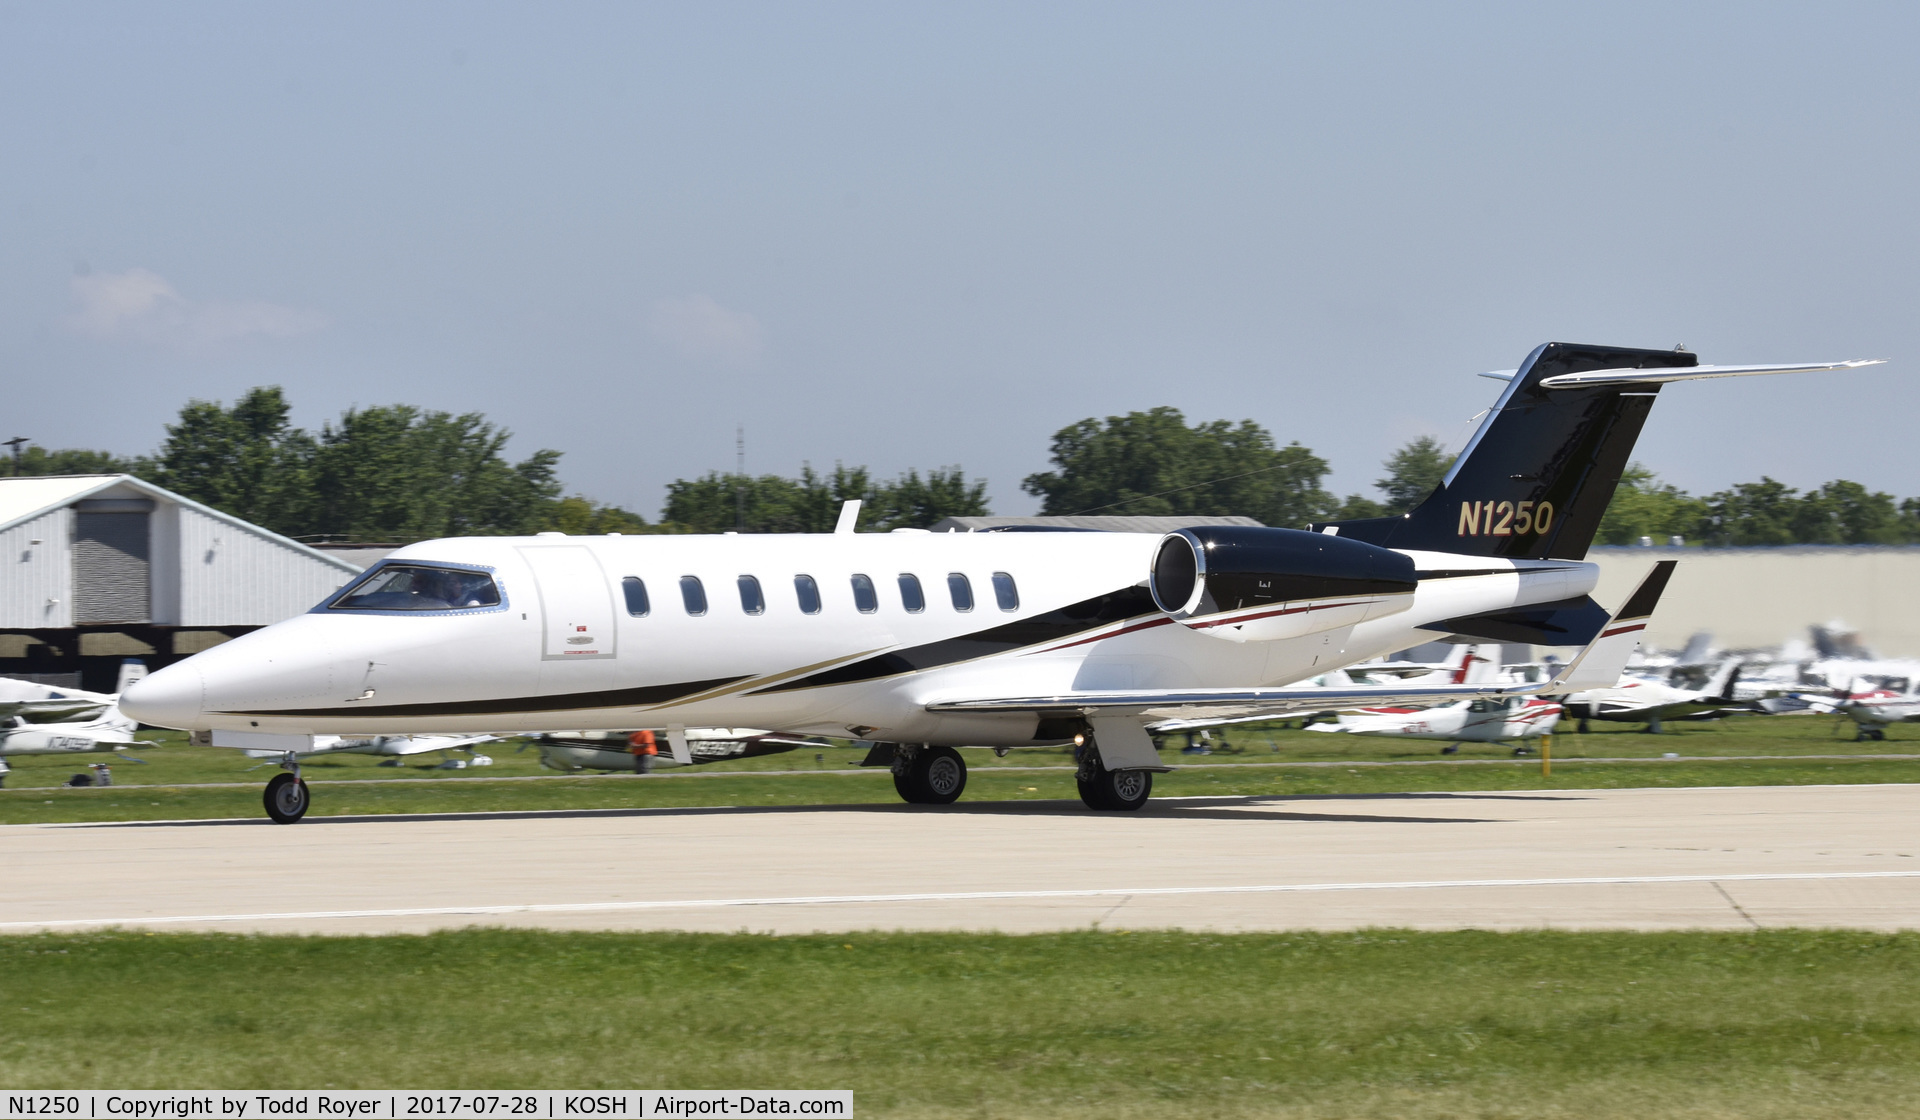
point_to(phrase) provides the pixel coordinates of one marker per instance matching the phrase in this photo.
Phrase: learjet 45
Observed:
(928, 642)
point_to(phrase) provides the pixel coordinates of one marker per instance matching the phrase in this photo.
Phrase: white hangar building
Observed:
(95, 568)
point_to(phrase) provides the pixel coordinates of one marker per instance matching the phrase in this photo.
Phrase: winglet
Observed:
(849, 516)
(1605, 658)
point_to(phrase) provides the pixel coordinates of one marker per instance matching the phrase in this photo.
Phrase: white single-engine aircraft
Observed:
(1492, 720)
(108, 733)
(995, 639)
(391, 747)
(42, 703)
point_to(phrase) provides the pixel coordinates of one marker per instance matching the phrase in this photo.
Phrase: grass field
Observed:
(182, 782)
(1380, 1023)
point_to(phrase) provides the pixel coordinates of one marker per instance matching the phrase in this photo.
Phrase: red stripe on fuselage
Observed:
(1148, 625)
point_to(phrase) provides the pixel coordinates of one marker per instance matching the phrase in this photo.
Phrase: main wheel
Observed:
(934, 776)
(1116, 790)
(286, 798)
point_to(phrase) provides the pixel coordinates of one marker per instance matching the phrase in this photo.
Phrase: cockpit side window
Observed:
(420, 587)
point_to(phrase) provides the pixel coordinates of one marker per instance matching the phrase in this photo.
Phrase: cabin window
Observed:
(1005, 593)
(635, 590)
(808, 592)
(961, 589)
(751, 600)
(864, 596)
(418, 587)
(693, 594)
(911, 596)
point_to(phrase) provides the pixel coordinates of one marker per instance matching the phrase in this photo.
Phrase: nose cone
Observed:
(172, 697)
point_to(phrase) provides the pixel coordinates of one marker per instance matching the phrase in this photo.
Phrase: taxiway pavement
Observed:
(1727, 858)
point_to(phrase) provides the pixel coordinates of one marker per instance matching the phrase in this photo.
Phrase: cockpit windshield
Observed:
(418, 587)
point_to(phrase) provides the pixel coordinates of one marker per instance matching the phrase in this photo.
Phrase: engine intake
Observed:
(1248, 583)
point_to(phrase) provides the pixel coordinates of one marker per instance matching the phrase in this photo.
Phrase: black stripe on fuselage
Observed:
(1088, 614)
(643, 697)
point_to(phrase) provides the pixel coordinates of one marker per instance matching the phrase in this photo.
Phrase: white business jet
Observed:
(931, 641)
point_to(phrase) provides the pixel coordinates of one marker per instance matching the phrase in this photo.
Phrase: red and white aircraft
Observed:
(926, 643)
(1491, 720)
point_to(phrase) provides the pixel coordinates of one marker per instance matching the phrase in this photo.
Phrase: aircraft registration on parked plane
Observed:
(927, 642)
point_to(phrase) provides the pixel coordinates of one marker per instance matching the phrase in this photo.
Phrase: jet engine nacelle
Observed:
(1254, 584)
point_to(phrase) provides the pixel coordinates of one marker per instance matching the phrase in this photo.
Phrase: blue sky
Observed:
(920, 235)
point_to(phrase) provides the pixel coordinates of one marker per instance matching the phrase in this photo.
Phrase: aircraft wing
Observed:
(422, 744)
(1600, 661)
(1221, 704)
(49, 711)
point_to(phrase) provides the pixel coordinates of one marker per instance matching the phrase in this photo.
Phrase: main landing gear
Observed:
(930, 775)
(925, 775)
(1109, 790)
(286, 797)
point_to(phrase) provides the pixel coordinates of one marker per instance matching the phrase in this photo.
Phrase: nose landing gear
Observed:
(286, 797)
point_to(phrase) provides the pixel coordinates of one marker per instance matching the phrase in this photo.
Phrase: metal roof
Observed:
(1103, 524)
(23, 499)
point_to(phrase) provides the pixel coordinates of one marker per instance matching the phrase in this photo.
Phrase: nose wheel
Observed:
(286, 797)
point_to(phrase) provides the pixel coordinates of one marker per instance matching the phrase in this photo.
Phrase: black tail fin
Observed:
(1536, 478)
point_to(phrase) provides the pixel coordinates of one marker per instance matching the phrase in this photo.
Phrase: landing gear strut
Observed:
(287, 797)
(1111, 790)
(925, 775)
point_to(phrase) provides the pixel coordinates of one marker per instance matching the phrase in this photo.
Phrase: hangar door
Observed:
(575, 603)
(111, 572)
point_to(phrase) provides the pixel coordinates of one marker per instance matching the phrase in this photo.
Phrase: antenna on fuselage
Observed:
(740, 478)
(849, 516)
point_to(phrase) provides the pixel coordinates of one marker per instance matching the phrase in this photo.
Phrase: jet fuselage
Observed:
(830, 634)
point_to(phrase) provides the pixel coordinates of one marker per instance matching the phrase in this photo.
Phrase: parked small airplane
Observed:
(42, 703)
(611, 750)
(392, 747)
(1637, 699)
(995, 639)
(1490, 720)
(108, 733)
(1872, 709)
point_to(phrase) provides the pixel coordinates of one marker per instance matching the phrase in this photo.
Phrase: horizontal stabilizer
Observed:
(1629, 377)
(1602, 662)
(1569, 622)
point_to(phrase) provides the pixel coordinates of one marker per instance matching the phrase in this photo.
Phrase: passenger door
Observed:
(576, 603)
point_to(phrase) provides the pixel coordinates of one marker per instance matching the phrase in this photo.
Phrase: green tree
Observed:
(1356, 506)
(246, 460)
(1151, 462)
(38, 461)
(1843, 512)
(396, 472)
(1643, 506)
(911, 502)
(580, 516)
(716, 503)
(1751, 513)
(1413, 472)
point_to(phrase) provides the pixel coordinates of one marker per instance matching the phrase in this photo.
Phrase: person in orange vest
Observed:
(644, 751)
